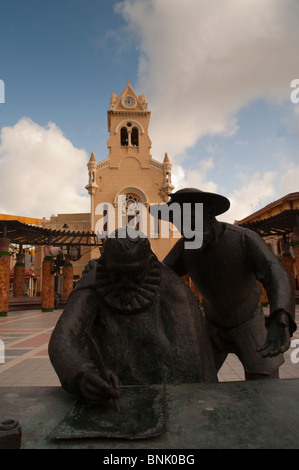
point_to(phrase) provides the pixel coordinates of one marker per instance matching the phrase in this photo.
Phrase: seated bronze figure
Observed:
(145, 321)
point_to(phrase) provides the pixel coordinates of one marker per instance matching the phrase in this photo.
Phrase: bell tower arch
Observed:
(128, 121)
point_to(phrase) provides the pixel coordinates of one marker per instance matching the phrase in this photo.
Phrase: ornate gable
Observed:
(127, 104)
(128, 100)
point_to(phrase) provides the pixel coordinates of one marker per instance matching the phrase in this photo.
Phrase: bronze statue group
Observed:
(150, 328)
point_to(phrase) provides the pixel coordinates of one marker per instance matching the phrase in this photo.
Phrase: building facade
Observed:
(129, 179)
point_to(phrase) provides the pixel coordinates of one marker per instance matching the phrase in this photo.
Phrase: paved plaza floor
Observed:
(26, 363)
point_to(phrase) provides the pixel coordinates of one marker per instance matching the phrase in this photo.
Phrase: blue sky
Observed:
(60, 62)
(216, 75)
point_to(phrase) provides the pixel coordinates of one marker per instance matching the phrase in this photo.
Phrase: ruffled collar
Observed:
(145, 293)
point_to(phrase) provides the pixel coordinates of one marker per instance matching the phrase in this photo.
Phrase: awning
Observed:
(279, 224)
(24, 234)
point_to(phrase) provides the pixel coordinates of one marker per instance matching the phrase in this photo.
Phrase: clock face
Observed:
(129, 101)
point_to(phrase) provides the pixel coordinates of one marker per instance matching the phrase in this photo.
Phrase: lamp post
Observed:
(55, 259)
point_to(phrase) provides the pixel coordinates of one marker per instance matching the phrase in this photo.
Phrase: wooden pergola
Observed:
(25, 234)
(14, 232)
(281, 224)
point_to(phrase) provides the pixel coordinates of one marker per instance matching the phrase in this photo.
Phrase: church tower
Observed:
(129, 170)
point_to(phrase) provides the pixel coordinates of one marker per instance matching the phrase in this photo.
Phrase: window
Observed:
(129, 136)
(124, 137)
(132, 208)
(134, 137)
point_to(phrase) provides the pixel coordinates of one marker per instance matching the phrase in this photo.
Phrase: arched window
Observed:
(129, 136)
(131, 208)
(134, 137)
(124, 137)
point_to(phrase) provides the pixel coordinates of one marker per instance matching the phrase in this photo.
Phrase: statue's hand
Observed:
(278, 337)
(96, 390)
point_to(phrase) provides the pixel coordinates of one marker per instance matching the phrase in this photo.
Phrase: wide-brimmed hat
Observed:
(220, 203)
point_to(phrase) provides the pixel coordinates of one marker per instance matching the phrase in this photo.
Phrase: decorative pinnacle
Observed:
(166, 158)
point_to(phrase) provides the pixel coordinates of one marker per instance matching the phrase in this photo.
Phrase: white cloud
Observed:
(213, 149)
(289, 171)
(201, 61)
(289, 182)
(255, 191)
(196, 178)
(41, 172)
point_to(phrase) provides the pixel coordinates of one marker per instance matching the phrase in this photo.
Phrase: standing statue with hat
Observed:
(225, 270)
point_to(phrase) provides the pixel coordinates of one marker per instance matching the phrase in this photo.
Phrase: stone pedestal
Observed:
(19, 276)
(4, 275)
(47, 300)
(67, 279)
(253, 414)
